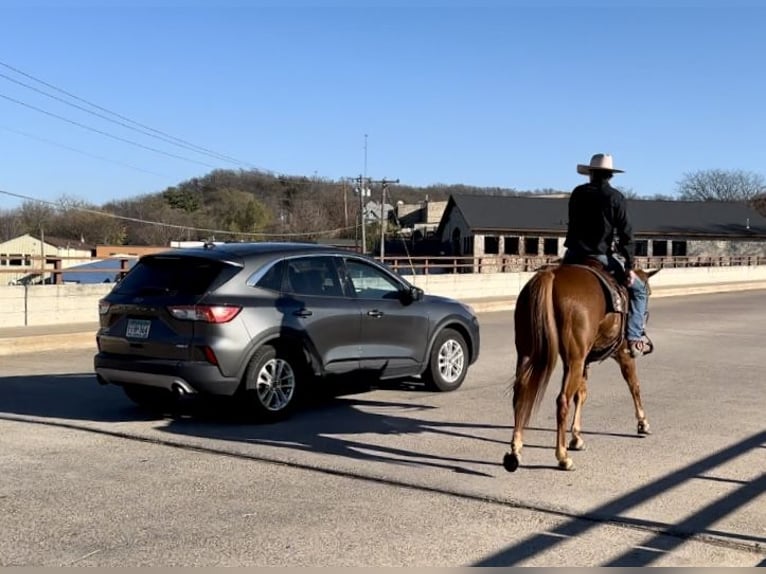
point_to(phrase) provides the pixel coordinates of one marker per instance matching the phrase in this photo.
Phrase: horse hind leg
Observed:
(572, 382)
(630, 374)
(577, 442)
(512, 460)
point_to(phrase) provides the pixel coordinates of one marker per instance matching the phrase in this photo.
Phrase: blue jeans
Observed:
(636, 293)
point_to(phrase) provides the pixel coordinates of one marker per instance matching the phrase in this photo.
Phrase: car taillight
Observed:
(103, 307)
(205, 313)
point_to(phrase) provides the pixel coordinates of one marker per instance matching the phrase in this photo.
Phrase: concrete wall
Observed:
(486, 285)
(50, 304)
(56, 304)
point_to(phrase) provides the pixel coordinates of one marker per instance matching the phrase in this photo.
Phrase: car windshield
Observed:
(171, 275)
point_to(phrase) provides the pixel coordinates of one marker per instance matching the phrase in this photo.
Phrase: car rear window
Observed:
(171, 275)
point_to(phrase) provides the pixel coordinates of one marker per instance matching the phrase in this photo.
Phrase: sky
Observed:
(483, 93)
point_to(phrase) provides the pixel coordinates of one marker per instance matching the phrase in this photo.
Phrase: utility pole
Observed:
(364, 191)
(345, 204)
(383, 219)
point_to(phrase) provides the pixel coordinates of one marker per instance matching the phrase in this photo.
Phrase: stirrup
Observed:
(648, 345)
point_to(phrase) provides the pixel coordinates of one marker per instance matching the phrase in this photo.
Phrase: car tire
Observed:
(448, 362)
(273, 384)
(152, 399)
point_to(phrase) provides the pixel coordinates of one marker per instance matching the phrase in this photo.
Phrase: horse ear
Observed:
(652, 272)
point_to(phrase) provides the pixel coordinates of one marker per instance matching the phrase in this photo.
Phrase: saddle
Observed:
(616, 296)
(616, 293)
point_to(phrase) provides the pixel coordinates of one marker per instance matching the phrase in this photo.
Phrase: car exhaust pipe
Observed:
(182, 389)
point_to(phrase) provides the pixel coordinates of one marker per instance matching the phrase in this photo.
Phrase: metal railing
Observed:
(55, 268)
(518, 263)
(51, 270)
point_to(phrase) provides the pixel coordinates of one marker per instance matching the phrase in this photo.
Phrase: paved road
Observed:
(397, 476)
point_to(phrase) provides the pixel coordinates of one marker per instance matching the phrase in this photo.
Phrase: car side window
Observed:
(272, 279)
(315, 276)
(370, 282)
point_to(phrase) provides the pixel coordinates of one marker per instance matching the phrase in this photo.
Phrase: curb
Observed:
(54, 342)
(83, 340)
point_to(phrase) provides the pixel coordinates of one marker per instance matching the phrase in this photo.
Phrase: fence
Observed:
(517, 263)
(54, 268)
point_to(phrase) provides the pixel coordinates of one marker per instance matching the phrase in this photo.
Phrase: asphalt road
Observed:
(397, 476)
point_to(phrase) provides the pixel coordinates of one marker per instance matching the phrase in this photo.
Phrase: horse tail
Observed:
(540, 350)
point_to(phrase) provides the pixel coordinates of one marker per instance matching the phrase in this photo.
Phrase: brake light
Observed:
(205, 313)
(103, 307)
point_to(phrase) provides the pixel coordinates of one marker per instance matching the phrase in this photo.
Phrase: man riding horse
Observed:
(597, 216)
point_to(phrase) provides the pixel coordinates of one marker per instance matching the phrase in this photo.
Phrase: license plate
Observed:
(138, 328)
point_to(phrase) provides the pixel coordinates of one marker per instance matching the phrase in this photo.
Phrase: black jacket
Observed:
(597, 215)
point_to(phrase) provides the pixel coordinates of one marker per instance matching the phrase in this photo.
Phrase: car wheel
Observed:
(272, 384)
(448, 363)
(151, 399)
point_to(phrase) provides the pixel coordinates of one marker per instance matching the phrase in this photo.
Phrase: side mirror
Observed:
(415, 293)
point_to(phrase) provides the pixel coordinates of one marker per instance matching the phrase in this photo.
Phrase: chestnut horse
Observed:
(565, 310)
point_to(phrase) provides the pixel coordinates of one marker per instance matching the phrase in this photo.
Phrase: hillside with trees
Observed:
(222, 205)
(253, 205)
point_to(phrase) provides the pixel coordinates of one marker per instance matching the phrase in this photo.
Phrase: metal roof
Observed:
(712, 219)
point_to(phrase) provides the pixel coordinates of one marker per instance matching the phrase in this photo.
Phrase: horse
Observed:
(576, 312)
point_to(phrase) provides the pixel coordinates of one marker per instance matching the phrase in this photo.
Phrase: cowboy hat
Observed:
(600, 161)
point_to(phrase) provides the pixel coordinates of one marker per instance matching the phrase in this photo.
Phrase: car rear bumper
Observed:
(177, 376)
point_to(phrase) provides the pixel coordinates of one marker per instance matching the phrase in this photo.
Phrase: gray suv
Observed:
(262, 321)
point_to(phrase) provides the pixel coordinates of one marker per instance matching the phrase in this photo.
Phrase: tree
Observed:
(35, 216)
(81, 221)
(10, 225)
(721, 185)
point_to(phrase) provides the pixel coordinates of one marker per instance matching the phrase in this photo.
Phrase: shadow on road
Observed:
(348, 425)
(666, 537)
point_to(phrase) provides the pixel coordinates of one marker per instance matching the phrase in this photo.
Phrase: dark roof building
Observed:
(487, 214)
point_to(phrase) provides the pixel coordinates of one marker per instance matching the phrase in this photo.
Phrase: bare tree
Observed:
(10, 225)
(36, 216)
(721, 185)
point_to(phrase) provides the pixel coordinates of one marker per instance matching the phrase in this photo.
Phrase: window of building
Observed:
(491, 245)
(660, 248)
(679, 249)
(511, 246)
(16, 259)
(531, 245)
(551, 246)
(642, 248)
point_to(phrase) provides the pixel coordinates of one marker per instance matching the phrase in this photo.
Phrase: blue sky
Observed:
(507, 94)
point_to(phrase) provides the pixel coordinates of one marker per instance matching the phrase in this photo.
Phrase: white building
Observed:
(21, 257)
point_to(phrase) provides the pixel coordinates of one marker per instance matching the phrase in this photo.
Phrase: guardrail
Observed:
(513, 264)
(54, 268)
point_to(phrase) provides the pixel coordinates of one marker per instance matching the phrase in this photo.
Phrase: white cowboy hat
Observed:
(601, 161)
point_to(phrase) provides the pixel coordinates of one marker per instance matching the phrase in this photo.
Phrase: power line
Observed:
(102, 158)
(143, 128)
(177, 226)
(103, 133)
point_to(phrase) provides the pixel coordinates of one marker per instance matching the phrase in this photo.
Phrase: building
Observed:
(420, 220)
(22, 256)
(529, 226)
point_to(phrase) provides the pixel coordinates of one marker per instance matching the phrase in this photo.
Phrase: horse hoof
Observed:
(511, 462)
(577, 444)
(643, 428)
(566, 464)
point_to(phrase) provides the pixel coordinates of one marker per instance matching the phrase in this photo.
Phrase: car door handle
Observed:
(375, 313)
(302, 313)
